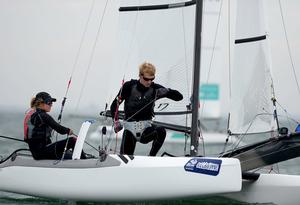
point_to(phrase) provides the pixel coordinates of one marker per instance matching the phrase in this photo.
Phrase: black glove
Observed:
(175, 95)
(161, 92)
(117, 126)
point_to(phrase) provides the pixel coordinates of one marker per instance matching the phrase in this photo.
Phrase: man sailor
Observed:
(139, 96)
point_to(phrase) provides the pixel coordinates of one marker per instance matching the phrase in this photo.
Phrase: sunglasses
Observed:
(148, 79)
(49, 103)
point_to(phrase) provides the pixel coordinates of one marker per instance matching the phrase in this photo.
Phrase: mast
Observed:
(196, 78)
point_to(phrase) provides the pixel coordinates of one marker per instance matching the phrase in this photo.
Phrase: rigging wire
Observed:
(288, 46)
(187, 75)
(242, 135)
(74, 68)
(78, 52)
(91, 56)
(229, 51)
(185, 51)
(288, 116)
(125, 71)
(122, 83)
(229, 67)
(123, 80)
(131, 40)
(213, 50)
(210, 68)
(76, 61)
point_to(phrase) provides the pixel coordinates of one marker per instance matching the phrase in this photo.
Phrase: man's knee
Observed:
(161, 131)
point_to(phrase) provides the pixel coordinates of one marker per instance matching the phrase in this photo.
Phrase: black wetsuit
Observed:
(39, 139)
(139, 105)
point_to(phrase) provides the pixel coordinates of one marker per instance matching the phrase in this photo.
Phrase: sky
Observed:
(40, 40)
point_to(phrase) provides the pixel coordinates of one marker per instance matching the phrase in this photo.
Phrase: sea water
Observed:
(11, 125)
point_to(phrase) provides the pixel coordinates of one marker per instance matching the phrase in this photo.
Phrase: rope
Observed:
(11, 138)
(91, 57)
(12, 154)
(65, 149)
(116, 117)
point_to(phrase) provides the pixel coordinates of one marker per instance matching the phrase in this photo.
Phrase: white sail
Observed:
(251, 78)
(166, 39)
(159, 38)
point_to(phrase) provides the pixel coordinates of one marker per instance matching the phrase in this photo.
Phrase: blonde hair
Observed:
(148, 68)
(34, 103)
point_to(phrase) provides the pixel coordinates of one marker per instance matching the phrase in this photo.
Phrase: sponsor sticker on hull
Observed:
(204, 166)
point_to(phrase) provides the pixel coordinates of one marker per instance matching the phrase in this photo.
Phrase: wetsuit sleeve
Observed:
(54, 125)
(168, 93)
(123, 93)
(174, 95)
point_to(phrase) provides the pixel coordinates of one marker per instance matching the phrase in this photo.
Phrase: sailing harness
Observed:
(137, 102)
(137, 127)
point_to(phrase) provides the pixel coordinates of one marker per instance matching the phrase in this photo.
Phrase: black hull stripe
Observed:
(157, 7)
(131, 157)
(123, 158)
(247, 40)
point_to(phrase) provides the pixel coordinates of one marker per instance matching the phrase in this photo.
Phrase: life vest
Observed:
(139, 104)
(28, 126)
(34, 127)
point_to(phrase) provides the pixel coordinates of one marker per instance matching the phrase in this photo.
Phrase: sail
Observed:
(251, 83)
(166, 39)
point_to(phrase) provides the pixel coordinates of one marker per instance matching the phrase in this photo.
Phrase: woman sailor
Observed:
(38, 126)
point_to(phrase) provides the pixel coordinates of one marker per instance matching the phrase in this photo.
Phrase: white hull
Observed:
(279, 189)
(141, 178)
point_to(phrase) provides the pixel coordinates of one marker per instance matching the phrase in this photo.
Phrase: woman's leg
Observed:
(56, 149)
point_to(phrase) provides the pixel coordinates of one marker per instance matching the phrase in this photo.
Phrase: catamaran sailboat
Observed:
(113, 177)
(253, 110)
(108, 177)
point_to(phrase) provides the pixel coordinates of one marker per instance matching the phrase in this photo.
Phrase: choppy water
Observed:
(11, 124)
